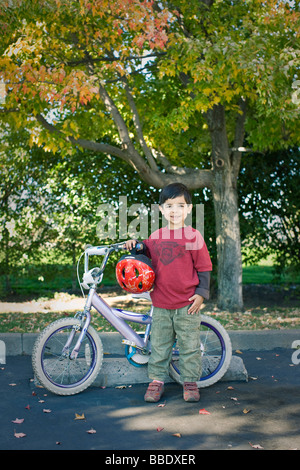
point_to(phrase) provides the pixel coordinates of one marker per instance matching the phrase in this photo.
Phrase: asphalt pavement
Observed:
(260, 414)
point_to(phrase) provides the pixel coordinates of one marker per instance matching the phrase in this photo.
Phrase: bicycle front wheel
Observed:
(216, 353)
(53, 366)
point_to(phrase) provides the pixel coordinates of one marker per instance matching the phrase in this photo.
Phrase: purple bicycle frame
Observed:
(117, 318)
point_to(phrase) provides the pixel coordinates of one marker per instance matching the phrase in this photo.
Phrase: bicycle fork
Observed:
(87, 322)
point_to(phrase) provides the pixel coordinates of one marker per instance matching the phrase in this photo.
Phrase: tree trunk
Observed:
(228, 248)
(226, 215)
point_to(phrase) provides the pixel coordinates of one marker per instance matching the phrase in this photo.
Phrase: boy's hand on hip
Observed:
(196, 305)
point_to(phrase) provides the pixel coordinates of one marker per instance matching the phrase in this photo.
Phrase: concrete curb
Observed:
(120, 372)
(22, 343)
(116, 370)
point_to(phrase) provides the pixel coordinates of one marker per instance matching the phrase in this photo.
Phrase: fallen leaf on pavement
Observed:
(46, 411)
(203, 411)
(238, 351)
(79, 416)
(91, 431)
(245, 411)
(177, 434)
(19, 434)
(159, 429)
(18, 420)
(27, 407)
(256, 446)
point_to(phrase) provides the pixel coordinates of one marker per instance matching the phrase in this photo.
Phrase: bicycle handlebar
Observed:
(104, 250)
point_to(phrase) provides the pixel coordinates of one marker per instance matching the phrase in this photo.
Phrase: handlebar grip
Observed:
(139, 246)
(137, 249)
(96, 250)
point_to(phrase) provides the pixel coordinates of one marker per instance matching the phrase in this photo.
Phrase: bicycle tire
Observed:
(216, 352)
(58, 373)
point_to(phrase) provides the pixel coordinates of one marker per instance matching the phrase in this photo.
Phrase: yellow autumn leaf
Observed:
(77, 416)
(207, 91)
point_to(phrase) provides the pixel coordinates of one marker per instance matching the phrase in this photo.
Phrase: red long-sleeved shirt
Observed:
(177, 258)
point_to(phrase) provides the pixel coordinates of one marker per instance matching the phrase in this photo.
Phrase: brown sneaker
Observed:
(190, 391)
(154, 392)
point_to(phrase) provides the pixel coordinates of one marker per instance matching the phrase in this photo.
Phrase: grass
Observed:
(259, 318)
(36, 322)
(252, 319)
(264, 274)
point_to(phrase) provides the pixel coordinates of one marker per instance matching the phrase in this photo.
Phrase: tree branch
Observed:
(194, 180)
(95, 60)
(9, 110)
(139, 129)
(87, 144)
(117, 118)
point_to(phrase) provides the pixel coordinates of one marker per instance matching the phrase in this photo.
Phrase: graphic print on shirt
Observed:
(168, 251)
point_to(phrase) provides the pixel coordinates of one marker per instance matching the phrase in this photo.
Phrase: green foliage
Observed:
(48, 209)
(269, 203)
(202, 56)
(237, 49)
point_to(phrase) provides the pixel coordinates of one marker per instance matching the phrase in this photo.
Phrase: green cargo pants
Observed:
(168, 324)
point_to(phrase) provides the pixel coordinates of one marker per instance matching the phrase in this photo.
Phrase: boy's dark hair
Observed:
(174, 190)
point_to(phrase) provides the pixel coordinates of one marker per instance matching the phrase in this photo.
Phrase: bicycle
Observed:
(68, 353)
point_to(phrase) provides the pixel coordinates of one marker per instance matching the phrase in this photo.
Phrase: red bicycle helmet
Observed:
(135, 274)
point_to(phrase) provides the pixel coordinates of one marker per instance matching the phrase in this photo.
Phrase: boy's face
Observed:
(175, 211)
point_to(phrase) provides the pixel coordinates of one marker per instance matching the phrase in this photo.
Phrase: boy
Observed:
(182, 274)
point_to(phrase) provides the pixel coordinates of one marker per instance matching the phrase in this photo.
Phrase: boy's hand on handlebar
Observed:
(130, 244)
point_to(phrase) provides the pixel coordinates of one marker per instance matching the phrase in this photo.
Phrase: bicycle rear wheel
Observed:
(216, 353)
(54, 368)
